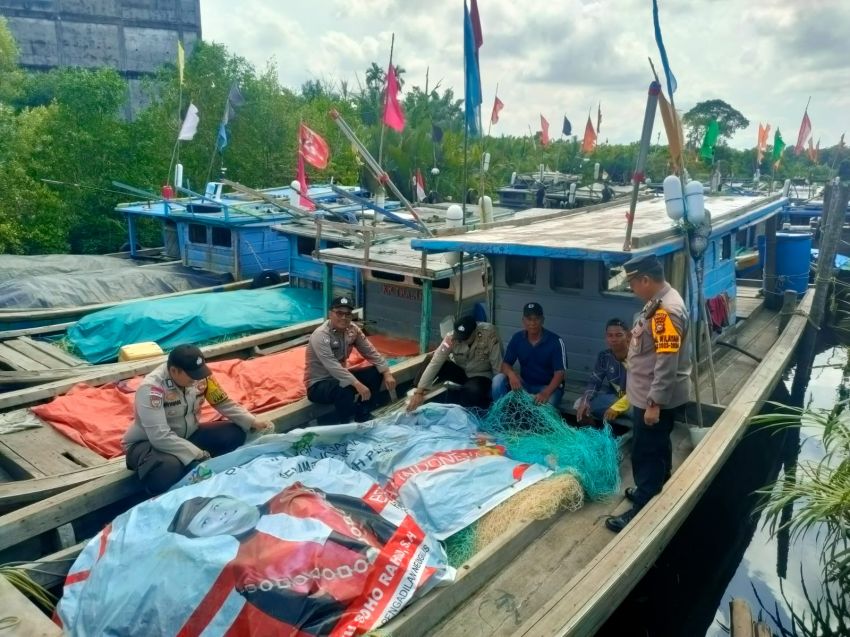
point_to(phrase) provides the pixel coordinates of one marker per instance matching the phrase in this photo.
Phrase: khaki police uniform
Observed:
(659, 374)
(472, 363)
(165, 434)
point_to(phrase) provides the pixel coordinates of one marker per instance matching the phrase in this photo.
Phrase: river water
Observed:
(725, 549)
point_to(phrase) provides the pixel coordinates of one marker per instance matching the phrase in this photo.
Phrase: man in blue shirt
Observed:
(542, 358)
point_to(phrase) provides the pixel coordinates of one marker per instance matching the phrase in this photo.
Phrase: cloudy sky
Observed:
(764, 57)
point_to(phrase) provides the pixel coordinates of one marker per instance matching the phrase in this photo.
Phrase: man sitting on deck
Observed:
(469, 356)
(605, 396)
(542, 357)
(328, 380)
(165, 439)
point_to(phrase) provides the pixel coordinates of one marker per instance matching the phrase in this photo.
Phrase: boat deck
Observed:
(24, 359)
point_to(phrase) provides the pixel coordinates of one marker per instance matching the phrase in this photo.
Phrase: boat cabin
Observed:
(228, 232)
(570, 263)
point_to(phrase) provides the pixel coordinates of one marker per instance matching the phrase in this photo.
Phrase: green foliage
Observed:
(697, 119)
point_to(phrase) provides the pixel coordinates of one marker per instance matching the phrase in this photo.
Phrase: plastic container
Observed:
(139, 351)
(793, 260)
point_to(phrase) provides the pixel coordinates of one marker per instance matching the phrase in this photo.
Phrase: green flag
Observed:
(778, 146)
(710, 140)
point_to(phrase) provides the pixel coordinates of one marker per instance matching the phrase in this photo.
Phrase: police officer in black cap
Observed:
(659, 380)
(326, 375)
(470, 355)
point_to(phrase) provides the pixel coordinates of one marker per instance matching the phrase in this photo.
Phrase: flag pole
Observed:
(386, 98)
(215, 147)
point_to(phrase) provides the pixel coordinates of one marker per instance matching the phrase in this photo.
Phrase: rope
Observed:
(9, 621)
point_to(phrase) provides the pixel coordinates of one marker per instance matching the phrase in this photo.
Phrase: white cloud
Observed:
(555, 58)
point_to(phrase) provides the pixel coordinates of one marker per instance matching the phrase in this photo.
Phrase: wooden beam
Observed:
(19, 492)
(582, 605)
(35, 519)
(50, 570)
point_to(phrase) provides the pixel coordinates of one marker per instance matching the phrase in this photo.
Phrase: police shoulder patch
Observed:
(664, 333)
(214, 393)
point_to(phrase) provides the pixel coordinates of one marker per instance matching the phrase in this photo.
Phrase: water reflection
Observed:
(724, 549)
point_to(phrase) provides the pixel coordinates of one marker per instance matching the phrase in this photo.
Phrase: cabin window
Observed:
(387, 276)
(567, 274)
(741, 237)
(613, 278)
(332, 244)
(437, 284)
(520, 270)
(197, 233)
(222, 237)
(305, 246)
(726, 248)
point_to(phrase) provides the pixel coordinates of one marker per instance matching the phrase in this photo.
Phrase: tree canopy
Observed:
(697, 119)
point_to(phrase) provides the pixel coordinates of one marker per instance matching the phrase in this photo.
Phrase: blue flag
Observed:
(472, 75)
(671, 79)
(221, 140)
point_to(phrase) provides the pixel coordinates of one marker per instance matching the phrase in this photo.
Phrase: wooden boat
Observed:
(562, 575)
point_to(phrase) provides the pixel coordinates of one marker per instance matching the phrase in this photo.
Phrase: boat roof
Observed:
(239, 209)
(599, 233)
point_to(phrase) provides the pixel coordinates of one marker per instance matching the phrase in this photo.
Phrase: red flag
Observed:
(599, 118)
(476, 26)
(544, 135)
(813, 151)
(302, 185)
(498, 105)
(803, 135)
(313, 148)
(393, 115)
(761, 146)
(589, 140)
(420, 186)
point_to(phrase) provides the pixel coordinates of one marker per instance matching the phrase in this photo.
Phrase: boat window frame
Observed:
(524, 284)
(565, 288)
(217, 241)
(193, 228)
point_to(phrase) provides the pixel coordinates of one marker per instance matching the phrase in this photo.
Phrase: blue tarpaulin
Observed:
(196, 318)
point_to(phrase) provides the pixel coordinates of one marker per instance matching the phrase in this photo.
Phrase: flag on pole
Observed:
(813, 151)
(599, 118)
(567, 128)
(803, 135)
(234, 102)
(190, 124)
(544, 131)
(476, 26)
(671, 79)
(393, 115)
(313, 148)
(221, 138)
(498, 105)
(436, 134)
(762, 141)
(589, 140)
(472, 74)
(181, 61)
(778, 147)
(672, 127)
(303, 186)
(710, 140)
(419, 183)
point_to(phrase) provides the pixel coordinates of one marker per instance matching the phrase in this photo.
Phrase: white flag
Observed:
(190, 124)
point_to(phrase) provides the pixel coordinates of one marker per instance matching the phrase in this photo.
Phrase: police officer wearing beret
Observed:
(659, 380)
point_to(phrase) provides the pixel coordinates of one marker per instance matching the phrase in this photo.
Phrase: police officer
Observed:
(326, 376)
(659, 380)
(165, 437)
(470, 355)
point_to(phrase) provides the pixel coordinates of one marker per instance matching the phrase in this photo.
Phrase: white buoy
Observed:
(295, 185)
(485, 162)
(673, 199)
(596, 171)
(454, 216)
(435, 171)
(786, 187)
(572, 193)
(513, 178)
(486, 205)
(178, 176)
(695, 202)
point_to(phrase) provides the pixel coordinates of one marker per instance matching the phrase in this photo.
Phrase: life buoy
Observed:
(264, 279)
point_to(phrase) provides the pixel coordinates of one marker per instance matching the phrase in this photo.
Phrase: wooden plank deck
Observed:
(21, 617)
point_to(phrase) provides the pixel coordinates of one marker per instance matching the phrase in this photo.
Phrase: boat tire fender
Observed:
(265, 279)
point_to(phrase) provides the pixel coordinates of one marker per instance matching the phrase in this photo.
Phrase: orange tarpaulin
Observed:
(97, 417)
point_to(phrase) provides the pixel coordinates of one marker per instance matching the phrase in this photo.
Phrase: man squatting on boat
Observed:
(165, 440)
(659, 381)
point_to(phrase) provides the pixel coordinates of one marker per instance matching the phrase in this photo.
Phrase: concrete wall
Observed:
(133, 36)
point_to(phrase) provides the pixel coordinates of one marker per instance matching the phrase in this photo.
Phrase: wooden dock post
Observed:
(789, 304)
(741, 622)
(771, 301)
(835, 203)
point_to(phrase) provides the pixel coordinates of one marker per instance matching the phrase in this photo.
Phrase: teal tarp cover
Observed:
(196, 318)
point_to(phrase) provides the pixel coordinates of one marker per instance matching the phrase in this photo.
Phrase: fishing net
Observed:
(537, 433)
(585, 462)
